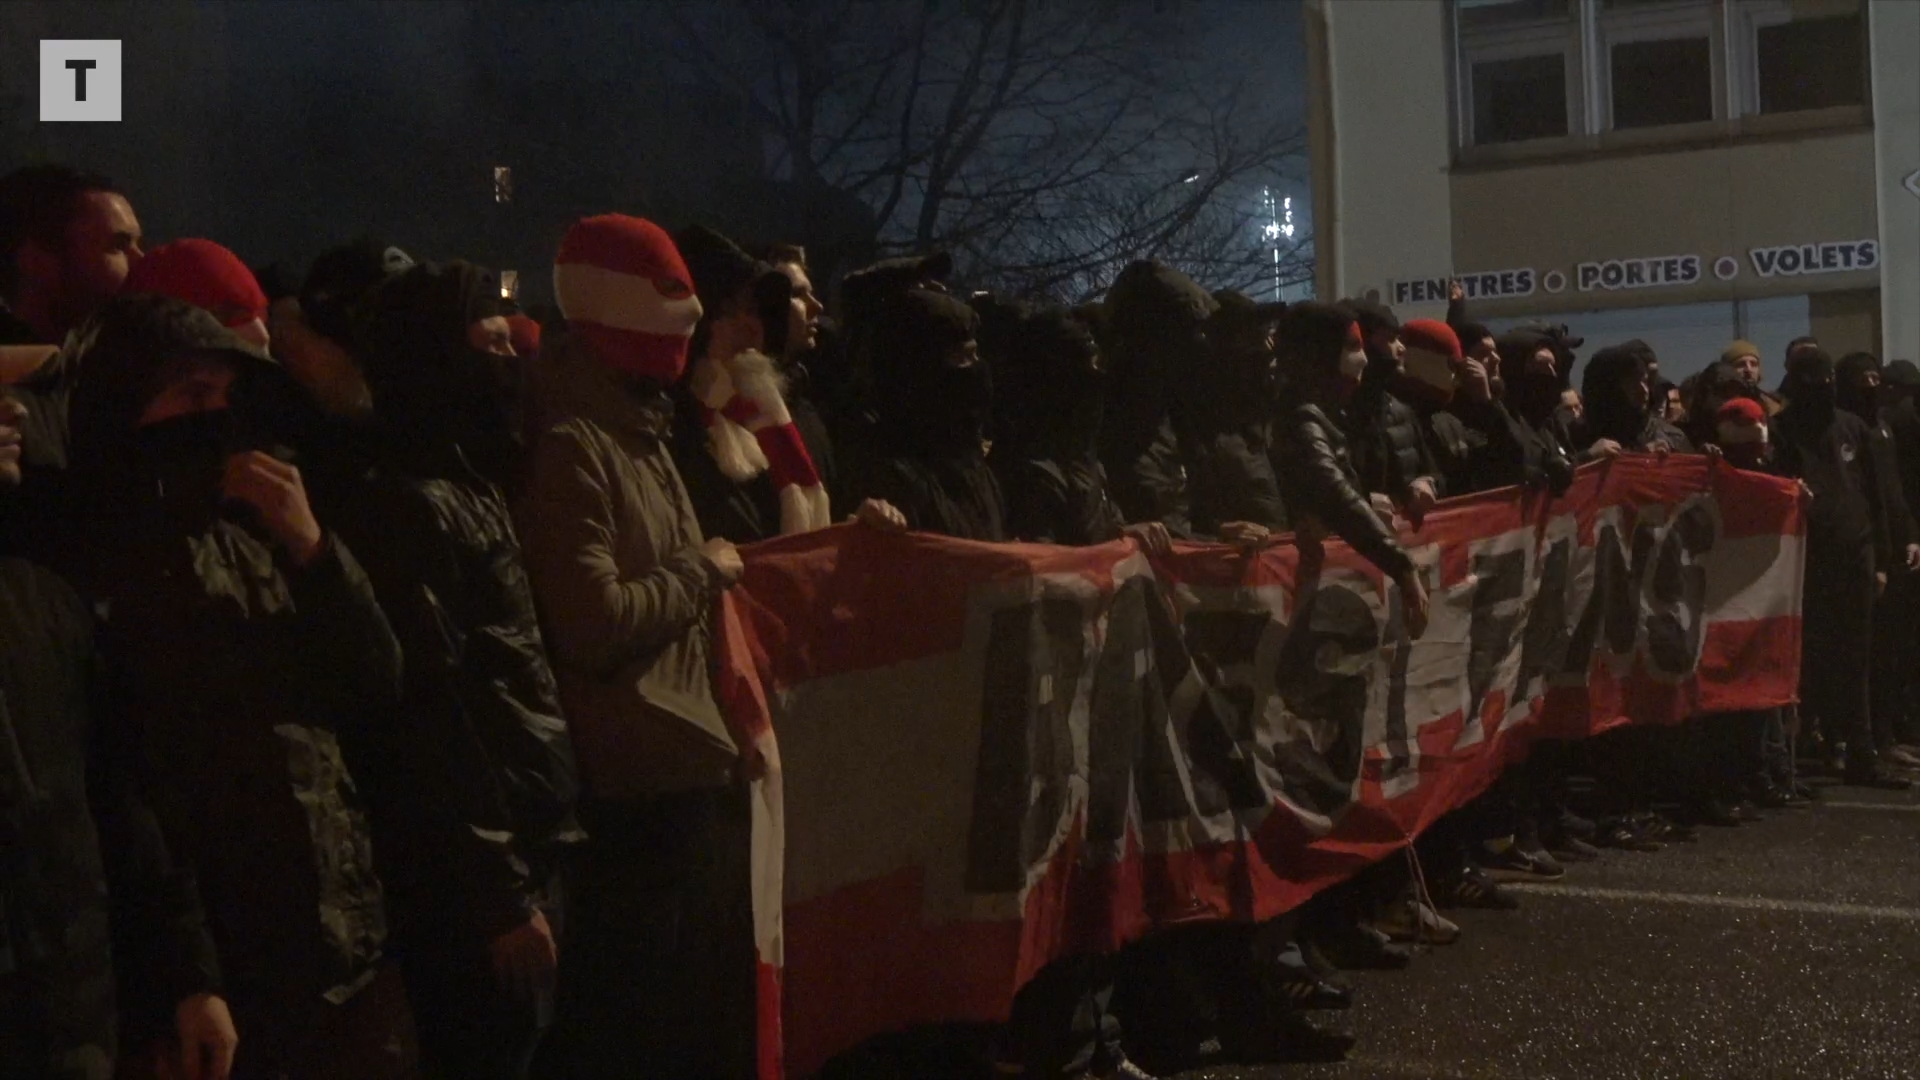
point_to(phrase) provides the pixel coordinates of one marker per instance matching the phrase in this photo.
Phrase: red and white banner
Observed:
(990, 756)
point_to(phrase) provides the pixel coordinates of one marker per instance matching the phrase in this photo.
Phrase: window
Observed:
(1525, 98)
(1659, 82)
(1517, 66)
(1537, 70)
(1810, 64)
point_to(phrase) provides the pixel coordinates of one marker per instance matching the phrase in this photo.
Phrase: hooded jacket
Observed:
(1611, 415)
(240, 678)
(1223, 404)
(625, 597)
(474, 784)
(1316, 469)
(1535, 399)
(1889, 485)
(932, 421)
(1848, 534)
(80, 850)
(1048, 390)
(1153, 314)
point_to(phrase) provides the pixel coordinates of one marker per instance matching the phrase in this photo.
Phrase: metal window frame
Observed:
(1518, 42)
(1676, 21)
(1745, 20)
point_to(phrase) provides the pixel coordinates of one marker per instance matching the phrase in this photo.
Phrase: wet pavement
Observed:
(1784, 949)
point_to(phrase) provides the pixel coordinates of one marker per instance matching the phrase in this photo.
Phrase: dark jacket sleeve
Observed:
(1039, 507)
(1319, 485)
(1231, 478)
(471, 765)
(162, 952)
(1892, 524)
(348, 661)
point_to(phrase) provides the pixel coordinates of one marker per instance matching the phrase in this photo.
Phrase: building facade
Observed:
(1684, 171)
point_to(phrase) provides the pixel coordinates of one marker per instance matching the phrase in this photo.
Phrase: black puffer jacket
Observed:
(78, 841)
(240, 676)
(1390, 449)
(475, 782)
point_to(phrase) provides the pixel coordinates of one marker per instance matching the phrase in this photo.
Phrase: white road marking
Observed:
(1419, 1070)
(1740, 903)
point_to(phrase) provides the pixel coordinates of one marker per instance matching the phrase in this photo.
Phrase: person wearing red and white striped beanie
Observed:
(626, 293)
(627, 587)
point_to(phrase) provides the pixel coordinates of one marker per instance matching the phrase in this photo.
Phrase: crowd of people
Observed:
(357, 692)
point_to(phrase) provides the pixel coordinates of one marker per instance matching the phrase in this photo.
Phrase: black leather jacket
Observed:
(1317, 477)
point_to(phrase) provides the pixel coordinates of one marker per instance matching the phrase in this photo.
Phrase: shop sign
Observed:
(1486, 285)
(1657, 272)
(1794, 259)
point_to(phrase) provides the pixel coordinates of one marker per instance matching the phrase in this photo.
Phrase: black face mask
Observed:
(960, 409)
(185, 458)
(1820, 396)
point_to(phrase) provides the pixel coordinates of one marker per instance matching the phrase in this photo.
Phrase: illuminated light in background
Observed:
(1286, 225)
(509, 284)
(502, 184)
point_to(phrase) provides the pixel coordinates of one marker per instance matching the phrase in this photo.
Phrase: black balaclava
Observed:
(1048, 382)
(1533, 397)
(1310, 339)
(1898, 381)
(1155, 318)
(926, 406)
(1860, 401)
(1237, 382)
(439, 400)
(1609, 414)
(1809, 390)
(864, 297)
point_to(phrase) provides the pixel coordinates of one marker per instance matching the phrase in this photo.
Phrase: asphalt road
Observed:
(1784, 949)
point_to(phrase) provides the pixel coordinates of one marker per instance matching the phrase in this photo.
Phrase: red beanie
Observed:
(1742, 420)
(525, 334)
(1431, 335)
(1432, 351)
(624, 289)
(204, 274)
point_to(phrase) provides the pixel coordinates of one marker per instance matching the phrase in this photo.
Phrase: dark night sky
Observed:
(281, 126)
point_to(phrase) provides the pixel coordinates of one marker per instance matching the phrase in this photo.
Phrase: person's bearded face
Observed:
(1748, 368)
(101, 244)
